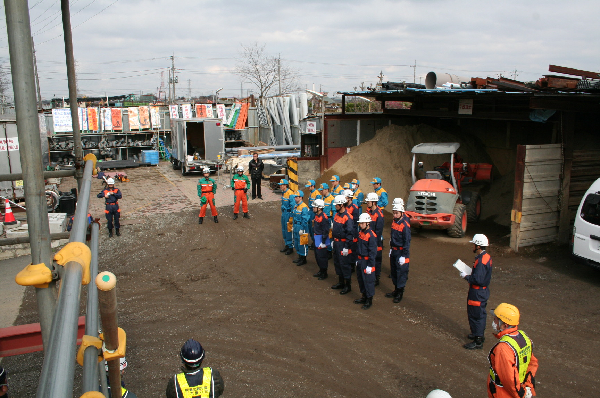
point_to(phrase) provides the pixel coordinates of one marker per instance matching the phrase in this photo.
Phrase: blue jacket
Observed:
(112, 202)
(367, 246)
(400, 236)
(301, 217)
(343, 228)
(286, 203)
(377, 224)
(383, 197)
(321, 227)
(482, 271)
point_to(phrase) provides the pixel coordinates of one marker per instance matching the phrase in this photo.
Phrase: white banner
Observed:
(174, 111)
(186, 111)
(465, 107)
(83, 119)
(155, 117)
(61, 119)
(209, 110)
(134, 120)
(106, 119)
(221, 114)
(13, 144)
(311, 127)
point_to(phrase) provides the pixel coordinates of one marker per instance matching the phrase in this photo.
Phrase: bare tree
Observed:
(265, 71)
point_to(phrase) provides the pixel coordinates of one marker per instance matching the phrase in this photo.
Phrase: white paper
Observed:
(461, 266)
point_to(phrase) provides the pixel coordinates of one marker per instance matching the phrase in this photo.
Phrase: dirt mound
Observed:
(388, 156)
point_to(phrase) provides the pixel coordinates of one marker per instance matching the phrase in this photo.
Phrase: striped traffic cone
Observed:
(9, 217)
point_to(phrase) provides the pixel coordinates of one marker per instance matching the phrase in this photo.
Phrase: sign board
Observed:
(61, 118)
(186, 111)
(221, 114)
(311, 127)
(155, 117)
(465, 107)
(174, 111)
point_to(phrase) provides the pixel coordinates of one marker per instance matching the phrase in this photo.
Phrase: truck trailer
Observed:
(197, 143)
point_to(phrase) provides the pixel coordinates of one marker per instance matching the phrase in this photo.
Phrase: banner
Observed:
(117, 119)
(200, 110)
(155, 117)
(174, 111)
(10, 144)
(221, 114)
(83, 120)
(144, 117)
(209, 110)
(92, 114)
(61, 120)
(134, 118)
(186, 111)
(106, 119)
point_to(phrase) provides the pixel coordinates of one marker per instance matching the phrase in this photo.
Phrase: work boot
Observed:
(216, 219)
(312, 246)
(318, 274)
(391, 294)
(289, 251)
(361, 300)
(298, 259)
(368, 304)
(302, 261)
(399, 294)
(347, 288)
(340, 283)
(323, 275)
(377, 280)
(471, 336)
(200, 220)
(246, 215)
(476, 344)
(118, 231)
(235, 216)
(110, 232)
(284, 249)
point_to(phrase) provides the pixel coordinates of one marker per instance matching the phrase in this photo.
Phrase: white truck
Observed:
(197, 143)
(586, 231)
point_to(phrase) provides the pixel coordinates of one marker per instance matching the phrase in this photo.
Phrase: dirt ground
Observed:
(273, 330)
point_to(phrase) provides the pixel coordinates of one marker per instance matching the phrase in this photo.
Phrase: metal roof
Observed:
(436, 148)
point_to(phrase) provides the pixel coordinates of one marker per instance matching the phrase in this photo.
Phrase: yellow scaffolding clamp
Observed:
(98, 342)
(78, 252)
(37, 275)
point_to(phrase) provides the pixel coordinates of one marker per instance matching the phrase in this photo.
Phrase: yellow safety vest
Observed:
(522, 357)
(202, 390)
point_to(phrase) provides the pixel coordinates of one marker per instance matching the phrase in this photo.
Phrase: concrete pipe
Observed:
(436, 79)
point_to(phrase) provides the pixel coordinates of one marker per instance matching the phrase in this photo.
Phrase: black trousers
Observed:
(256, 187)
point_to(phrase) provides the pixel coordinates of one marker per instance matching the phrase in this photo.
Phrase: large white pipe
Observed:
(437, 79)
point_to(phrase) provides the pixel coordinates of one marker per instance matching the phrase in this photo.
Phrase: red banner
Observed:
(117, 119)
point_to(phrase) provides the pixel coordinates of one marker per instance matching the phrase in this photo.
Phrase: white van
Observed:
(586, 232)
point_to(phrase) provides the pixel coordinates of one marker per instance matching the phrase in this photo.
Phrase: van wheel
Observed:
(459, 228)
(174, 163)
(474, 207)
(183, 170)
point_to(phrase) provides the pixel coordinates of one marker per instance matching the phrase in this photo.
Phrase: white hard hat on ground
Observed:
(438, 394)
(398, 207)
(398, 200)
(340, 200)
(364, 217)
(480, 240)
(110, 181)
(348, 193)
(372, 197)
(319, 203)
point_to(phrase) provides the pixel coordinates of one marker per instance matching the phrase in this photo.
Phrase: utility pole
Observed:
(380, 76)
(173, 75)
(279, 72)
(190, 89)
(362, 86)
(170, 99)
(414, 71)
(37, 79)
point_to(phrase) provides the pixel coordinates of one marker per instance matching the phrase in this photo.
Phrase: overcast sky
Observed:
(123, 46)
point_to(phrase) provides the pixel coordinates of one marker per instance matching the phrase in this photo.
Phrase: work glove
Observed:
(322, 246)
(332, 244)
(107, 195)
(390, 255)
(402, 260)
(528, 393)
(245, 190)
(344, 252)
(232, 188)
(368, 270)
(463, 274)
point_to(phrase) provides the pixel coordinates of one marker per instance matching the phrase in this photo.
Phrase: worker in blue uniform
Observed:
(301, 216)
(328, 210)
(382, 193)
(352, 210)
(343, 234)
(359, 196)
(286, 213)
(321, 228)
(312, 196)
(111, 196)
(365, 264)
(377, 222)
(336, 188)
(478, 295)
(399, 251)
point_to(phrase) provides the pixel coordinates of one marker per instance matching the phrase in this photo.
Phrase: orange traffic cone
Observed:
(9, 218)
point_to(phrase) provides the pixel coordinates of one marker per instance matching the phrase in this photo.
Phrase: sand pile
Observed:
(388, 156)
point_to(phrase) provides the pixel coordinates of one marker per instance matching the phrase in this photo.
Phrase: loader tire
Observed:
(474, 207)
(460, 222)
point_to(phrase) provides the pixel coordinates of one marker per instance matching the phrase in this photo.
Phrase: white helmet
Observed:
(240, 168)
(398, 207)
(122, 364)
(364, 217)
(110, 181)
(372, 197)
(319, 203)
(480, 240)
(398, 200)
(348, 193)
(340, 200)
(206, 170)
(438, 394)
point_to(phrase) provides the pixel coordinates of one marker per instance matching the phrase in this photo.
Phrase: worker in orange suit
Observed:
(512, 364)
(207, 188)
(240, 184)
